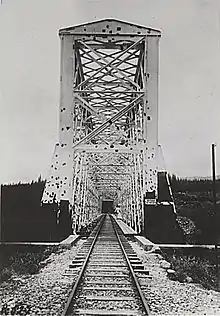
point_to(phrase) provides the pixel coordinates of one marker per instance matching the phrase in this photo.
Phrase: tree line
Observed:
(23, 218)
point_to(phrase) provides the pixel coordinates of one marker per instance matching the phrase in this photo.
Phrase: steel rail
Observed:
(67, 307)
(137, 285)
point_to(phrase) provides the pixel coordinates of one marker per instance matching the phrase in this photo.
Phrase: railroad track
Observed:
(107, 284)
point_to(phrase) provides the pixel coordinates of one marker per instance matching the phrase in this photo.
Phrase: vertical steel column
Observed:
(151, 118)
(66, 115)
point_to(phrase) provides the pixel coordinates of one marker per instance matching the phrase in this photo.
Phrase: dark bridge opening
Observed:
(107, 206)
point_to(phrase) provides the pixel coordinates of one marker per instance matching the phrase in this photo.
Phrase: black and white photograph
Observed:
(109, 157)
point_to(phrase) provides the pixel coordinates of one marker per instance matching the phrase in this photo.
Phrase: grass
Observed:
(22, 259)
(200, 269)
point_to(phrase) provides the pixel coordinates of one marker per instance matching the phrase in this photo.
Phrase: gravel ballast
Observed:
(168, 297)
(45, 293)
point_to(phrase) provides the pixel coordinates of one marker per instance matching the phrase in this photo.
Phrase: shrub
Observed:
(5, 274)
(22, 260)
(200, 270)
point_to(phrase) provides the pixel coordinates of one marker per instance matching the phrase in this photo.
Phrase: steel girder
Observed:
(108, 121)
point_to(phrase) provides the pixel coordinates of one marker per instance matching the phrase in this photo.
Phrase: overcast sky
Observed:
(189, 94)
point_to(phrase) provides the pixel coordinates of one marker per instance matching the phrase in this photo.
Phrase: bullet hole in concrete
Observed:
(64, 191)
(85, 29)
(56, 162)
(56, 155)
(112, 146)
(138, 32)
(118, 28)
(51, 177)
(148, 75)
(107, 26)
(62, 145)
(62, 129)
(68, 127)
(103, 30)
(148, 108)
(145, 114)
(55, 168)
(64, 164)
(51, 166)
(110, 32)
(148, 118)
(65, 178)
(116, 150)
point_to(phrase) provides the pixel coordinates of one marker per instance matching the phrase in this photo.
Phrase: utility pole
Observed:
(213, 178)
(0, 213)
(215, 213)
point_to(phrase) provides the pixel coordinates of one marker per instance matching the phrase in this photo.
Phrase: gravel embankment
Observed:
(167, 297)
(42, 294)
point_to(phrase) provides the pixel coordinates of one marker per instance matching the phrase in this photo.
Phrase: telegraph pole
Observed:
(213, 178)
(0, 213)
(215, 213)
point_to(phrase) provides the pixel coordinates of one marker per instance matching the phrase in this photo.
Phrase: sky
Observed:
(189, 77)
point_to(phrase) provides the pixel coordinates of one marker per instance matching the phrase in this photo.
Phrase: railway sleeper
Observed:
(100, 312)
(137, 266)
(112, 282)
(75, 265)
(106, 298)
(104, 264)
(105, 288)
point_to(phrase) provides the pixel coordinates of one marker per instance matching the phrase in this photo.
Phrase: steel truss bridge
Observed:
(108, 134)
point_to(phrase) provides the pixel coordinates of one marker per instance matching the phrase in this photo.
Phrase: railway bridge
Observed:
(107, 156)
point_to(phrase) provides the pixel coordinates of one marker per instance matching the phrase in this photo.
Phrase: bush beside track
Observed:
(193, 265)
(15, 260)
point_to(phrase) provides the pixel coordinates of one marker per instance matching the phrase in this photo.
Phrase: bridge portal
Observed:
(108, 134)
